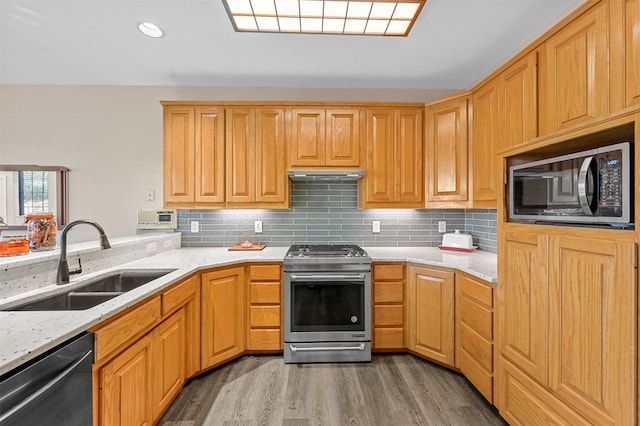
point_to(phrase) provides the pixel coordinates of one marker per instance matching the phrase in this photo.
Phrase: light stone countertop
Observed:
(25, 335)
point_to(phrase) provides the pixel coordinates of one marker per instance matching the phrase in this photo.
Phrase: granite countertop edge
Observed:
(25, 335)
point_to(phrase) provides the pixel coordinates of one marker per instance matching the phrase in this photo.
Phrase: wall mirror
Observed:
(29, 189)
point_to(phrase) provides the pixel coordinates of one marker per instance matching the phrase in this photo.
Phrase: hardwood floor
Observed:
(396, 389)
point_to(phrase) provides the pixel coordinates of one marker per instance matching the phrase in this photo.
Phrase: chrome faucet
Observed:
(63, 266)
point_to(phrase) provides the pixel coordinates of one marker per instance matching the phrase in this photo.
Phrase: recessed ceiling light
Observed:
(150, 30)
(369, 17)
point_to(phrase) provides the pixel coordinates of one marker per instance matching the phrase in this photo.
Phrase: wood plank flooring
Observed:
(394, 389)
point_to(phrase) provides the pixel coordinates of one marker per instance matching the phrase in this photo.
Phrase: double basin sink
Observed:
(94, 291)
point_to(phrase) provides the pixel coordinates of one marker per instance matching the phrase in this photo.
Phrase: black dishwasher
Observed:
(54, 389)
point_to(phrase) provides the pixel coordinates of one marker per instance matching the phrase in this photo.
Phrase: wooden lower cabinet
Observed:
(474, 332)
(223, 314)
(388, 307)
(125, 387)
(568, 335)
(168, 361)
(265, 308)
(430, 305)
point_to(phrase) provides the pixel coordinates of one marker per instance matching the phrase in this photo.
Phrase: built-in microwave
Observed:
(589, 187)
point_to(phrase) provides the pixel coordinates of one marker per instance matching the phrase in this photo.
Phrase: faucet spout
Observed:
(63, 266)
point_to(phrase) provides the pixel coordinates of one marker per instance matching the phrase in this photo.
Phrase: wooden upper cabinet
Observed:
(575, 77)
(487, 127)
(179, 155)
(394, 159)
(593, 306)
(241, 154)
(193, 156)
(624, 54)
(518, 103)
(447, 151)
(255, 154)
(325, 137)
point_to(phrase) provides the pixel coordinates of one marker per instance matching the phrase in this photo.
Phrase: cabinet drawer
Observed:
(264, 273)
(388, 272)
(124, 330)
(476, 290)
(265, 339)
(481, 378)
(477, 317)
(388, 316)
(264, 316)
(388, 292)
(264, 293)
(477, 347)
(388, 338)
(179, 295)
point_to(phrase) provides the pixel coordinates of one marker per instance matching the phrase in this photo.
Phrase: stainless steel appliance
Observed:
(588, 187)
(327, 304)
(54, 389)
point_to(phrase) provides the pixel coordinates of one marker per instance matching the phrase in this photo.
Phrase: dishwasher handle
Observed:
(49, 387)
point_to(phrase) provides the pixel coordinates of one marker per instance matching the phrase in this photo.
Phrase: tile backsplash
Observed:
(328, 213)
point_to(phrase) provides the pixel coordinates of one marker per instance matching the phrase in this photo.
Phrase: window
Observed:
(33, 192)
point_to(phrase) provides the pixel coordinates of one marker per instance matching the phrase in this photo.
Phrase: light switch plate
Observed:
(151, 194)
(376, 227)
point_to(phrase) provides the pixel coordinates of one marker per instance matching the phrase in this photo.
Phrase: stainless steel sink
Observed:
(94, 291)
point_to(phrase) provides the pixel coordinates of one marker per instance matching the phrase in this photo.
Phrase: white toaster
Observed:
(457, 240)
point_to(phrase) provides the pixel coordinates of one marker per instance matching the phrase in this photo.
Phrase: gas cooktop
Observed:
(325, 251)
(326, 256)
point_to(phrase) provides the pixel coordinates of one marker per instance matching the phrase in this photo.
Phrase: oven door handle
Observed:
(588, 166)
(360, 347)
(326, 277)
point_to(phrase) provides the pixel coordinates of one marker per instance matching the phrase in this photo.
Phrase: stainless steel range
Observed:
(327, 316)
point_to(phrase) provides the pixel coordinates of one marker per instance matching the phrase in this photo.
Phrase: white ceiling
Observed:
(453, 45)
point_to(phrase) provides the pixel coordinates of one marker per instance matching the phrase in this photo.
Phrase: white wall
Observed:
(111, 138)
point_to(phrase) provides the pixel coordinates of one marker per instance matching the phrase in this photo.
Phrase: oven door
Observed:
(327, 306)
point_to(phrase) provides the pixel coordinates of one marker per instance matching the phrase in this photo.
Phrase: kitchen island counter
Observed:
(25, 335)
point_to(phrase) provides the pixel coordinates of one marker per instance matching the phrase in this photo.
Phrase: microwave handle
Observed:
(582, 186)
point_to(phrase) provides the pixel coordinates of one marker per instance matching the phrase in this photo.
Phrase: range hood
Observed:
(326, 174)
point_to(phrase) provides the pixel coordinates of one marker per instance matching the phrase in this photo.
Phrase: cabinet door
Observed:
(487, 126)
(271, 175)
(179, 155)
(125, 387)
(379, 180)
(168, 361)
(431, 314)
(223, 315)
(241, 155)
(307, 145)
(593, 314)
(342, 137)
(576, 72)
(523, 298)
(624, 54)
(518, 102)
(209, 155)
(408, 171)
(447, 151)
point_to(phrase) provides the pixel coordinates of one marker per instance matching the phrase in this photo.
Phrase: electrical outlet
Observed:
(195, 226)
(257, 226)
(376, 226)
(442, 226)
(151, 194)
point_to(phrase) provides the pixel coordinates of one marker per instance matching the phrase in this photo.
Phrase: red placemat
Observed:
(255, 247)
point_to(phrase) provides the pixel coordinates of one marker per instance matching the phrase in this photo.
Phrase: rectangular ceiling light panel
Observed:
(386, 18)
